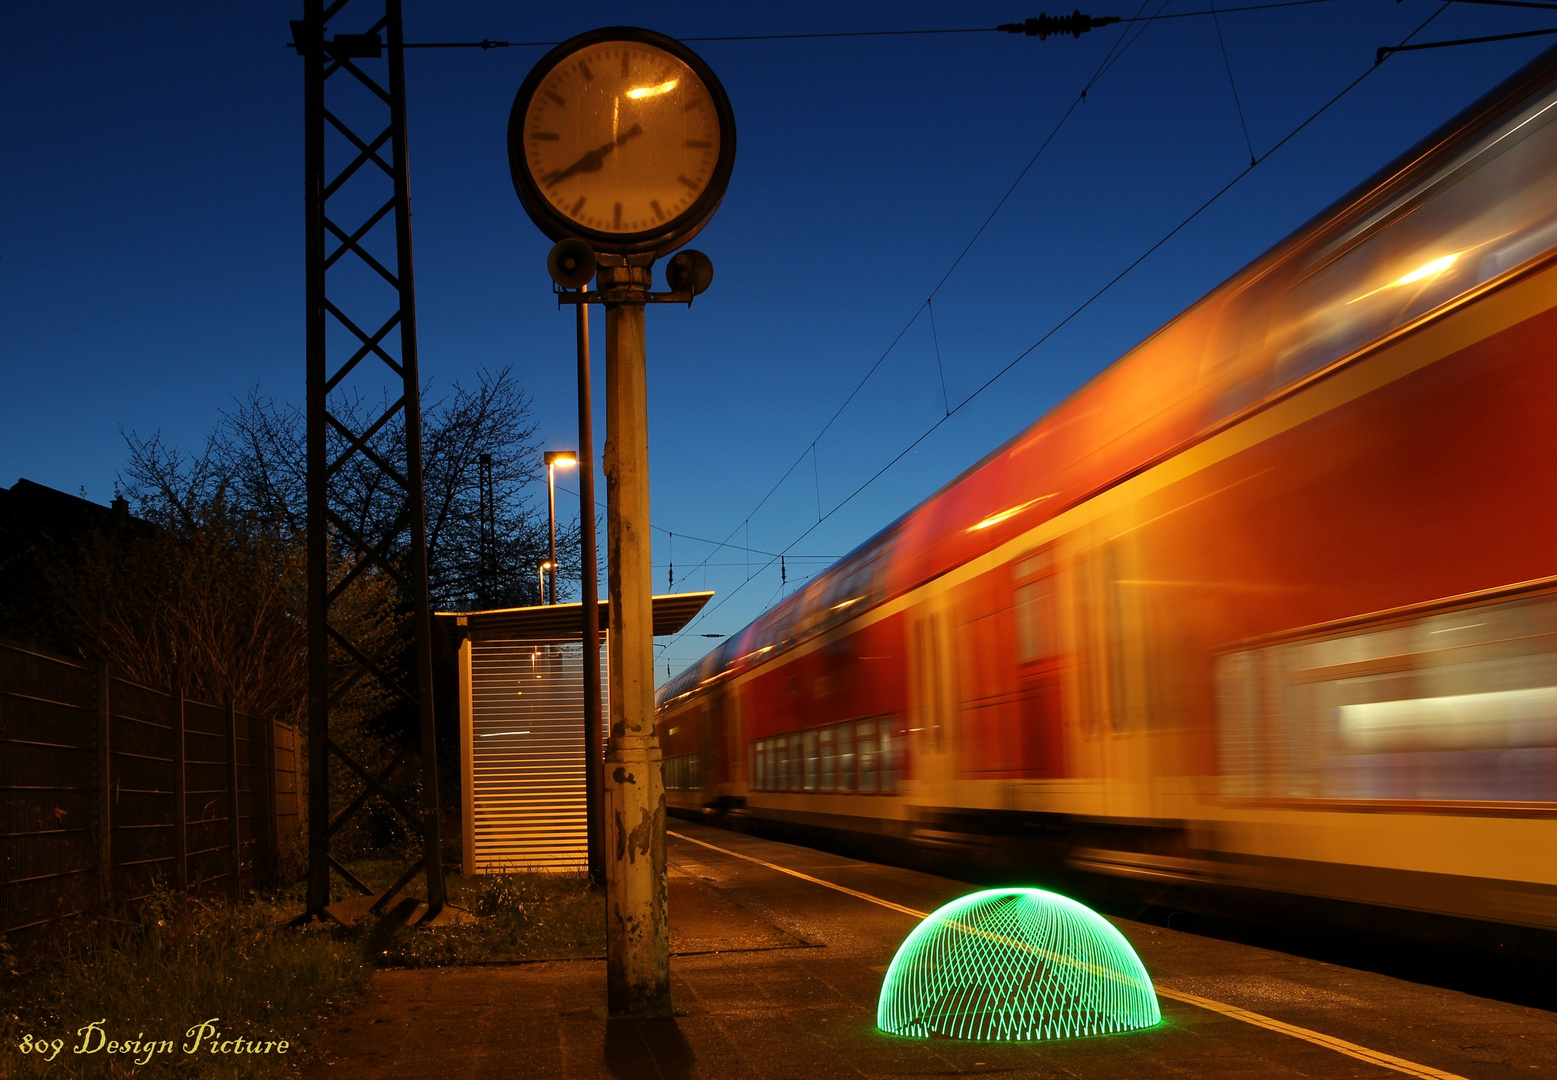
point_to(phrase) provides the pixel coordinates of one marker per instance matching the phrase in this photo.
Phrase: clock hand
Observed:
(593, 160)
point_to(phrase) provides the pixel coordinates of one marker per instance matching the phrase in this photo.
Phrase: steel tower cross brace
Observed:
(367, 61)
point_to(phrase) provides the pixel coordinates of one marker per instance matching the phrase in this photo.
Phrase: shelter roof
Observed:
(553, 621)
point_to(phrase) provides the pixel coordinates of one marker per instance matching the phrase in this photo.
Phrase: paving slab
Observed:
(776, 977)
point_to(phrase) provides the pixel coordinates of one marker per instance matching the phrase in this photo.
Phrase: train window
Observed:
(855, 585)
(861, 755)
(1486, 210)
(828, 752)
(777, 629)
(845, 757)
(810, 610)
(865, 753)
(1034, 563)
(1034, 609)
(1241, 751)
(1449, 705)
(788, 625)
(887, 757)
(694, 778)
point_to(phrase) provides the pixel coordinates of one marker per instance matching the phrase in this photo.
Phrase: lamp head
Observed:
(562, 459)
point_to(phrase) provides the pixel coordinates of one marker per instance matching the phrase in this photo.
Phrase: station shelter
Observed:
(521, 678)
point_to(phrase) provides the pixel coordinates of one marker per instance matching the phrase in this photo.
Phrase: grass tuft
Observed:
(520, 916)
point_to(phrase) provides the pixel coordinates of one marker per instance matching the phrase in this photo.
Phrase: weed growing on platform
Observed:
(521, 916)
(164, 968)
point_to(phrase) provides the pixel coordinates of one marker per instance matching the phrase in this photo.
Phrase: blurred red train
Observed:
(1267, 607)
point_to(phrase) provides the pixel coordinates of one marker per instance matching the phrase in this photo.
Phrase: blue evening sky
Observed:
(151, 235)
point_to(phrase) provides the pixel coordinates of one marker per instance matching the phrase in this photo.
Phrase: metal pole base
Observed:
(638, 964)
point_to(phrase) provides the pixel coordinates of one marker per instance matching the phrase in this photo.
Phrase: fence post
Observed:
(180, 785)
(236, 859)
(105, 861)
(272, 802)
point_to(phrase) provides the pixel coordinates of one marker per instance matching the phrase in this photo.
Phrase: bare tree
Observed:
(254, 463)
(217, 588)
(213, 605)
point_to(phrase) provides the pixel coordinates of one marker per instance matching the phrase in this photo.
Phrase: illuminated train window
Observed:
(1486, 209)
(1455, 704)
(850, 589)
(859, 755)
(683, 772)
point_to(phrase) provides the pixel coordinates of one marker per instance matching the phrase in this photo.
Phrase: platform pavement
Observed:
(776, 978)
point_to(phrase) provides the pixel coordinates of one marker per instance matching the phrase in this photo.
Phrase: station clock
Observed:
(623, 138)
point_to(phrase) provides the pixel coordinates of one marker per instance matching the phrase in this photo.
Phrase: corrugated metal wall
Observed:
(527, 754)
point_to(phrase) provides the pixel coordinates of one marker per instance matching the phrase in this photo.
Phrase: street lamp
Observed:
(540, 576)
(555, 459)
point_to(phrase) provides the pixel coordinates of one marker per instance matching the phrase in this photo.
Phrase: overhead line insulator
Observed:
(1075, 24)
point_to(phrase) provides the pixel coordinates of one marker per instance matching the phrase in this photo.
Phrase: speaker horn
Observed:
(689, 271)
(571, 263)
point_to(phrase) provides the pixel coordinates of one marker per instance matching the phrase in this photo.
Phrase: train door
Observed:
(1118, 744)
(1040, 669)
(932, 700)
(734, 778)
(711, 746)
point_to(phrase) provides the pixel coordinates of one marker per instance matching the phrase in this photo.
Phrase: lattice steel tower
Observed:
(362, 348)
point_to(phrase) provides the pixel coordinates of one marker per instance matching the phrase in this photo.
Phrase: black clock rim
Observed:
(663, 238)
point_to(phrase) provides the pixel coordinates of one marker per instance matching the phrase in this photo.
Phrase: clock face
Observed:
(621, 139)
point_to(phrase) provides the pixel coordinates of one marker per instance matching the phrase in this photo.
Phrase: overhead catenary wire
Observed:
(487, 44)
(698, 539)
(1083, 306)
(1237, 102)
(1117, 49)
(1385, 51)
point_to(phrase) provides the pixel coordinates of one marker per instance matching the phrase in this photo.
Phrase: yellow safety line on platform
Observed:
(1329, 1042)
(802, 877)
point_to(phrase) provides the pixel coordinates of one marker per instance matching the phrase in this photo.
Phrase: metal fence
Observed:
(108, 788)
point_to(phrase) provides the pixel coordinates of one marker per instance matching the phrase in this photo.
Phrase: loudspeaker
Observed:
(689, 271)
(571, 263)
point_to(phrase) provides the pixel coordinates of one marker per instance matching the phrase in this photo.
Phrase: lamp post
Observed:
(540, 575)
(555, 459)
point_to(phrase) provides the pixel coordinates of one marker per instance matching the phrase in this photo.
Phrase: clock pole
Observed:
(637, 931)
(614, 201)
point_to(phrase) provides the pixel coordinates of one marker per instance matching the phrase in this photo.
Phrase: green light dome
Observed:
(1015, 965)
